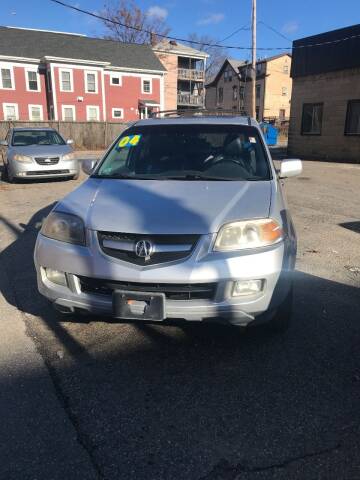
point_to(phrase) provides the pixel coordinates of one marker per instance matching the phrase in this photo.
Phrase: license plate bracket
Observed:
(131, 305)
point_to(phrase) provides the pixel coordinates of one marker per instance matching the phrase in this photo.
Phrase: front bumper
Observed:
(33, 170)
(203, 266)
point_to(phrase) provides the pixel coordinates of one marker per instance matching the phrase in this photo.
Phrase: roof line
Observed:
(47, 31)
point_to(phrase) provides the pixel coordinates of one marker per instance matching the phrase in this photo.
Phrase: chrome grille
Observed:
(167, 248)
(47, 160)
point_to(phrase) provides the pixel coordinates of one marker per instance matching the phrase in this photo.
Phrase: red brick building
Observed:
(67, 77)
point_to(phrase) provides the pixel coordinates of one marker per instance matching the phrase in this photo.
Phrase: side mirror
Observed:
(3, 143)
(88, 166)
(70, 141)
(290, 168)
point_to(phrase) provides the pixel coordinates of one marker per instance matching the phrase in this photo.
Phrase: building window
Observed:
(284, 91)
(286, 68)
(257, 113)
(220, 94)
(92, 113)
(7, 80)
(68, 113)
(91, 82)
(235, 92)
(282, 113)
(115, 80)
(258, 68)
(225, 76)
(36, 113)
(352, 124)
(66, 81)
(311, 119)
(146, 86)
(258, 89)
(11, 111)
(242, 92)
(117, 113)
(32, 81)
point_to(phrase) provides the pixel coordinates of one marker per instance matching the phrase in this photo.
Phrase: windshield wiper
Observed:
(127, 177)
(194, 176)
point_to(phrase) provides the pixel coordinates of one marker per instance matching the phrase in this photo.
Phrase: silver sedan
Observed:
(32, 153)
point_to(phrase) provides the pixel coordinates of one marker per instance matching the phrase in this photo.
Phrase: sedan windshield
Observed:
(23, 138)
(187, 152)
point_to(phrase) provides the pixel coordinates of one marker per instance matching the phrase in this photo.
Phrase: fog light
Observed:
(247, 287)
(56, 277)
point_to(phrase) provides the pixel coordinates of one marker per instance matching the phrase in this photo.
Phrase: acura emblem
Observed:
(143, 249)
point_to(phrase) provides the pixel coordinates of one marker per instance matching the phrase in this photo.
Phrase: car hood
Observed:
(167, 207)
(42, 150)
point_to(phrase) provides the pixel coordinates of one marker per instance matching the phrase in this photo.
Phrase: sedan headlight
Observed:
(248, 234)
(64, 227)
(69, 156)
(22, 158)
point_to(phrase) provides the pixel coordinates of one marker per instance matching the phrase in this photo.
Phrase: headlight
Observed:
(69, 156)
(248, 234)
(22, 158)
(64, 227)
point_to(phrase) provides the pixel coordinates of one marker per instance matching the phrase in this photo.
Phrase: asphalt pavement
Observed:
(108, 400)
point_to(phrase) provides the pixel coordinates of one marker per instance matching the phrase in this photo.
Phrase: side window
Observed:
(352, 124)
(312, 118)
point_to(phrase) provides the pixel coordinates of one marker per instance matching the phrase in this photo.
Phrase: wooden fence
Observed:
(86, 135)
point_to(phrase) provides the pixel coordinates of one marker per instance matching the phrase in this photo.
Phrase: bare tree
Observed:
(217, 54)
(127, 12)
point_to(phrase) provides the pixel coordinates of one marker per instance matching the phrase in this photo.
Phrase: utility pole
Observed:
(253, 60)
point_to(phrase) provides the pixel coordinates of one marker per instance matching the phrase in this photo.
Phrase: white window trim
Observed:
(142, 85)
(61, 70)
(63, 112)
(11, 68)
(41, 112)
(94, 72)
(27, 79)
(11, 105)
(97, 110)
(117, 108)
(116, 75)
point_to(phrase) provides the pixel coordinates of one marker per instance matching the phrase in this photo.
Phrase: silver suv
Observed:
(183, 218)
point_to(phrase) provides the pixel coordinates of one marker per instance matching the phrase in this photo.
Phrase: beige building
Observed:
(231, 89)
(325, 106)
(185, 79)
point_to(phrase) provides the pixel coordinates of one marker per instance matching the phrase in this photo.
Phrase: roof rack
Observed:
(200, 112)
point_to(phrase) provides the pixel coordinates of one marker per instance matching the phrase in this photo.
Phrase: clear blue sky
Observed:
(218, 18)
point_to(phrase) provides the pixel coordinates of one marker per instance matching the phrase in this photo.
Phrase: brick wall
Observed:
(334, 90)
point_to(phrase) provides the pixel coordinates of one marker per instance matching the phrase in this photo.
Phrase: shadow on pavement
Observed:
(353, 226)
(196, 401)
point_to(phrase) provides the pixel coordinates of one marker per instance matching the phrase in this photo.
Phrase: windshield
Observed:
(24, 138)
(187, 152)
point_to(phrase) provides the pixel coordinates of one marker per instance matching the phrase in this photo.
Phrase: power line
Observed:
(244, 27)
(186, 40)
(260, 22)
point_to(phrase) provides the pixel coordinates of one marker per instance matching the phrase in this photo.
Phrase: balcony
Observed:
(191, 74)
(187, 99)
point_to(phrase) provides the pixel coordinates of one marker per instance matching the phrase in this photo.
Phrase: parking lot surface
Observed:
(191, 402)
